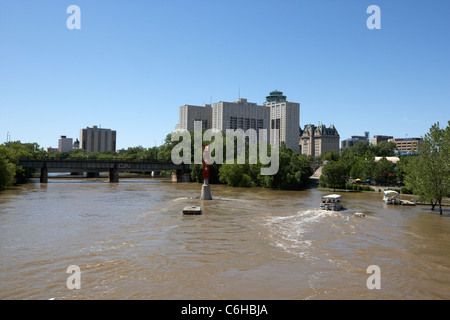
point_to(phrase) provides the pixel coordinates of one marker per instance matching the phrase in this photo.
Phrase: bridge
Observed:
(113, 166)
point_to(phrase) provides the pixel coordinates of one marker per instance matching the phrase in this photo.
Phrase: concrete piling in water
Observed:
(206, 191)
(44, 175)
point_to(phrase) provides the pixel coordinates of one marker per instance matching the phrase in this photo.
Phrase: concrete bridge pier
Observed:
(113, 175)
(181, 176)
(44, 175)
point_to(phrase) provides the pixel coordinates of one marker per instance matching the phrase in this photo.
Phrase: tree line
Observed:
(294, 169)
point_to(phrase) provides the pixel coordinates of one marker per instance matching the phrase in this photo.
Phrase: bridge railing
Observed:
(146, 160)
(102, 164)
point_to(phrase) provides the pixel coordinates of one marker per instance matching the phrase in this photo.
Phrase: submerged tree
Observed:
(428, 174)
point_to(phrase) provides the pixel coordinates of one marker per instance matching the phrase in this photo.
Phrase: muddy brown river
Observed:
(130, 240)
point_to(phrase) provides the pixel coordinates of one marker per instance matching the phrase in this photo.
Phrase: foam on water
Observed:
(288, 232)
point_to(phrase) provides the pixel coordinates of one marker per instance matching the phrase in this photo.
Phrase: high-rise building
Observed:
(190, 113)
(315, 141)
(240, 115)
(97, 139)
(65, 144)
(284, 116)
(275, 113)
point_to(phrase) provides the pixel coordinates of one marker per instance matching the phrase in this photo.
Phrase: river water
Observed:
(131, 241)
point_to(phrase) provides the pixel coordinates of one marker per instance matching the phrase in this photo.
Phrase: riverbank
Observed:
(380, 189)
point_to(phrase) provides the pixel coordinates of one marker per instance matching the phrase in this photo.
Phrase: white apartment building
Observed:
(240, 115)
(190, 113)
(97, 139)
(65, 144)
(284, 116)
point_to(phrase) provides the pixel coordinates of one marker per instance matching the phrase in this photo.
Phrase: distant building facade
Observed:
(284, 116)
(354, 139)
(377, 139)
(65, 144)
(406, 146)
(240, 115)
(275, 113)
(190, 113)
(315, 141)
(97, 139)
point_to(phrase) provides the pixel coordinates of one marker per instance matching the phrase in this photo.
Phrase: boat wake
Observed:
(291, 232)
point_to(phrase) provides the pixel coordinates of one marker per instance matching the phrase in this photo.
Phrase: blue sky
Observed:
(134, 63)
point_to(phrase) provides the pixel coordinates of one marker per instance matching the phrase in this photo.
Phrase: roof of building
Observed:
(275, 96)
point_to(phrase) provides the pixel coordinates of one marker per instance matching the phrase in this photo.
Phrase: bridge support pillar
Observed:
(181, 176)
(44, 175)
(113, 175)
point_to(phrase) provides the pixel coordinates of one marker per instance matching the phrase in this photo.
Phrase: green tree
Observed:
(330, 156)
(235, 175)
(384, 149)
(11, 153)
(334, 175)
(383, 172)
(428, 174)
(293, 173)
(7, 172)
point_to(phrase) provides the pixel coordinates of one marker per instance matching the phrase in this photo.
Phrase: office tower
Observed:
(97, 139)
(190, 113)
(240, 115)
(65, 144)
(284, 116)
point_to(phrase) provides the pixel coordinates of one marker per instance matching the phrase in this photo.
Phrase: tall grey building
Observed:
(275, 113)
(284, 116)
(240, 115)
(190, 113)
(97, 139)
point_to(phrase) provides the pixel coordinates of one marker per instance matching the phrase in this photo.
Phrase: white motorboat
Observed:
(391, 197)
(331, 202)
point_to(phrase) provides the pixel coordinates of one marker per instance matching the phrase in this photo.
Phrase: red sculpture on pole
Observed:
(205, 163)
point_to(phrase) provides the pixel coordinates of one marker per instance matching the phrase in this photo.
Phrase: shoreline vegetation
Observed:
(425, 174)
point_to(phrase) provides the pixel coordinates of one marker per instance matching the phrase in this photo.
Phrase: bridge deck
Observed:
(101, 165)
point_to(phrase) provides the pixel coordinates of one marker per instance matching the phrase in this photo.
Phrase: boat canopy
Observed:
(390, 193)
(332, 196)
